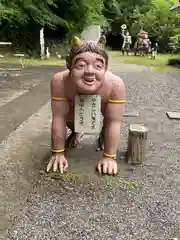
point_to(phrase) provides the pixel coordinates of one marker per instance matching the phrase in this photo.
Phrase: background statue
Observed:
(126, 40)
(143, 44)
(154, 50)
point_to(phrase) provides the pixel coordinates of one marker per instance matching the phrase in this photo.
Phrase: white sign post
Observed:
(88, 114)
(42, 42)
(92, 32)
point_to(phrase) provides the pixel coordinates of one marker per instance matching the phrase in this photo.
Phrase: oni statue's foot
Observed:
(74, 140)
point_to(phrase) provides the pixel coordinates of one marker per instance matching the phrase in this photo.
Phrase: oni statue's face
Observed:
(145, 36)
(87, 72)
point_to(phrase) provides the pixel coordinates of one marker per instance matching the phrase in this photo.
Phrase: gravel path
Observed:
(106, 208)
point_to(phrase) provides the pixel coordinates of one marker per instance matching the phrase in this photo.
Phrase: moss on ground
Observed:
(66, 176)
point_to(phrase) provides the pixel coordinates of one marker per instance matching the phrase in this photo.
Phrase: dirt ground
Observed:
(141, 203)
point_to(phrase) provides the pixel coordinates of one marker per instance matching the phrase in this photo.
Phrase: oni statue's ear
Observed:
(67, 61)
(75, 41)
(102, 41)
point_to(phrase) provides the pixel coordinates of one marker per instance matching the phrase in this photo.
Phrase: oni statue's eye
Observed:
(99, 65)
(80, 65)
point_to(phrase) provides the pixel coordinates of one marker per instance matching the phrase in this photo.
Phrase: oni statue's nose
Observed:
(89, 70)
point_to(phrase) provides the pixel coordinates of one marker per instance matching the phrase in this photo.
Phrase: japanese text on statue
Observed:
(81, 111)
(93, 113)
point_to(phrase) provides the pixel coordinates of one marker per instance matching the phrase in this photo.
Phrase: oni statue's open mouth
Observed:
(89, 80)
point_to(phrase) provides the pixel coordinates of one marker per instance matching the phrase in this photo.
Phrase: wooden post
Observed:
(137, 144)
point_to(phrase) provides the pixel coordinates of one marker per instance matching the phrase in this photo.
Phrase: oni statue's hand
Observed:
(107, 166)
(57, 162)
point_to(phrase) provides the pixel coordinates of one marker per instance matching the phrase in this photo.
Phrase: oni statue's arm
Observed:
(113, 118)
(60, 108)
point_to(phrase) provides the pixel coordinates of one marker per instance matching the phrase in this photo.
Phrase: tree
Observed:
(160, 22)
(22, 20)
(21, 12)
(152, 15)
(129, 12)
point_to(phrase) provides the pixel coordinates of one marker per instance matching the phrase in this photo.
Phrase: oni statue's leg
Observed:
(100, 142)
(74, 139)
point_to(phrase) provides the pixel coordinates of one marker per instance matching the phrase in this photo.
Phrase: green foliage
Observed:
(152, 15)
(74, 15)
(21, 12)
(129, 12)
(174, 43)
(80, 13)
(160, 22)
(22, 19)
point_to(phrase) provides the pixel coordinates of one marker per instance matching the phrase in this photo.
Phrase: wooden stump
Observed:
(137, 144)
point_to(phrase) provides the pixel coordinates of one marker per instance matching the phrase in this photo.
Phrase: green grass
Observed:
(33, 61)
(160, 63)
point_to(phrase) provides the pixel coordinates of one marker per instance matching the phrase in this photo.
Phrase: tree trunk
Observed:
(137, 144)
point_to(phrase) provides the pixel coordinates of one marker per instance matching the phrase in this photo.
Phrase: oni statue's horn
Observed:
(75, 41)
(102, 41)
